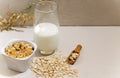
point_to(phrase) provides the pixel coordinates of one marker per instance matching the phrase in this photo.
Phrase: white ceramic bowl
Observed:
(18, 64)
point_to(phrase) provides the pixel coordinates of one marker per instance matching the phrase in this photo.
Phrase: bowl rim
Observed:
(13, 40)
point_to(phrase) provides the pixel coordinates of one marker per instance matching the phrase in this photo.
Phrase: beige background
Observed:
(8, 5)
(89, 12)
(77, 12)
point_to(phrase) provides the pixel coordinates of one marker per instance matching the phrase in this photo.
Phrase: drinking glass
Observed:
(46, 27)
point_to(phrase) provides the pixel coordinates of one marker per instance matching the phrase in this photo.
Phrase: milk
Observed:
(46, 37)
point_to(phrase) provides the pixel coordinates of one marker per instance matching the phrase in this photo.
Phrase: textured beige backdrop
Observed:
(89, 12)
(77, 12)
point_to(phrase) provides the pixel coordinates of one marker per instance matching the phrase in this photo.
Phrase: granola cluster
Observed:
(19, 49)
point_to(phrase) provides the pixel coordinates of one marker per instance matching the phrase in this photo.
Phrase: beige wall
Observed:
(8, 5)
(77, 12)
(89, 12)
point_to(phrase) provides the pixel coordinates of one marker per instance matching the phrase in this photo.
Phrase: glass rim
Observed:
(53, 3)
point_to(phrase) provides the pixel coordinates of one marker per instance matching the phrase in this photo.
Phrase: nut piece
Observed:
(19, 49)
(74, 55)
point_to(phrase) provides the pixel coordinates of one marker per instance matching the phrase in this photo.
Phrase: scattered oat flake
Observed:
(53, 66)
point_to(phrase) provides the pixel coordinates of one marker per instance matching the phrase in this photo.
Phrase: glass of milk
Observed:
(46, 27)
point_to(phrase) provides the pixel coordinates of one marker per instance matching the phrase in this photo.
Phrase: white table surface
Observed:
(100, 55)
